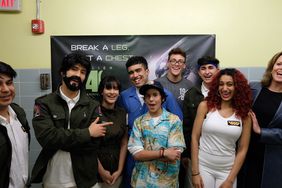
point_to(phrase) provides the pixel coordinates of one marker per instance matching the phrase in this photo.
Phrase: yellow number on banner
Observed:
(93, 80)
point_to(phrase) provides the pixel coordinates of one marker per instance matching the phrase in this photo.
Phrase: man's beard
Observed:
(74, 86)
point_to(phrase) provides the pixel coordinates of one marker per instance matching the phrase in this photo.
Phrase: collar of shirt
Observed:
(204, 90)
(67, 99)
(19, 142)
(141, 97)
(12, 115)
(70, 102)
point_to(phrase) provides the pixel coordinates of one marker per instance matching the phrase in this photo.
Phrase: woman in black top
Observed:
(113, 147)
(263, 165)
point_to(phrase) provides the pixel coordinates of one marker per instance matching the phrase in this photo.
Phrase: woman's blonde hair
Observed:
(267, 77)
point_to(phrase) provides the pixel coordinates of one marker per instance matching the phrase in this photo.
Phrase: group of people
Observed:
(221, 132)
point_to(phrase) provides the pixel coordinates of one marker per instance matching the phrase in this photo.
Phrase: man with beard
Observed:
(65, 124)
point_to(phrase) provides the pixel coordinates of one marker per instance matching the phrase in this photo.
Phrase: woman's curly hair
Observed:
(242, 99)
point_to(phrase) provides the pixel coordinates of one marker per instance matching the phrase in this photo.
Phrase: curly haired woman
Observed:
(221, 131)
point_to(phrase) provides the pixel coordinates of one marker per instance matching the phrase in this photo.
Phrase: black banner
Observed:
(108, 54)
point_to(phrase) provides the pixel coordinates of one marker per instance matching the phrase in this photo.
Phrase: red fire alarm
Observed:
(37, 26)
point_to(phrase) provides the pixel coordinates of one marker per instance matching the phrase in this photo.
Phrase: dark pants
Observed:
(130, 162)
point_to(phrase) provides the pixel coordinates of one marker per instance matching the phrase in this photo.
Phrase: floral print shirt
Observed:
(148, 134)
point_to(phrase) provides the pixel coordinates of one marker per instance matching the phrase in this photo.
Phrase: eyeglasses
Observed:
(174, 61)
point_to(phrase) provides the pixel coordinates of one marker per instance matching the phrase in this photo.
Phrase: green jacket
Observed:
(50, 124)
(192, 99)
(6, 147)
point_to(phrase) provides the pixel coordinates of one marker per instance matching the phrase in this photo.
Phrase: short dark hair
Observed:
(153, 85)
(73, 59)
(177, 51)
(108, 82)
(134, 60)
(208, 60)
(7, 70)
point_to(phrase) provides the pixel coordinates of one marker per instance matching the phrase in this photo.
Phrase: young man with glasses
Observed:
(174, 80)
(177, 85)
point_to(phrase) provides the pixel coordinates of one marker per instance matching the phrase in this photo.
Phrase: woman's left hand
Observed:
(115, 176)
(256, 127)
(226, 184)
(106, 176)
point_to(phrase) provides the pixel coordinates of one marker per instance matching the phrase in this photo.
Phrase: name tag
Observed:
(234, 123)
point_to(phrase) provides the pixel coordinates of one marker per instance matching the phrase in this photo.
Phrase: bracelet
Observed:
(161, 152)
(196, 174)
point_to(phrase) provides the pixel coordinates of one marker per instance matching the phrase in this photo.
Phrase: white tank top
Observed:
(219, 134)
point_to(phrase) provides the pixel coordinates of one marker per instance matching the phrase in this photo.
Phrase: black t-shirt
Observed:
(266, 106)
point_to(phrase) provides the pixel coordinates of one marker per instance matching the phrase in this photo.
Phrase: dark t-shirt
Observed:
(109, 149)
(178, 89)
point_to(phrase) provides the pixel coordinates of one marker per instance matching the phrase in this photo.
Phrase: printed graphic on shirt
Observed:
(182, 92)
(234, 123)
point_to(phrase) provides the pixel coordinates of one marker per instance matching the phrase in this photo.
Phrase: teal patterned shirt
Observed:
(148, 134)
